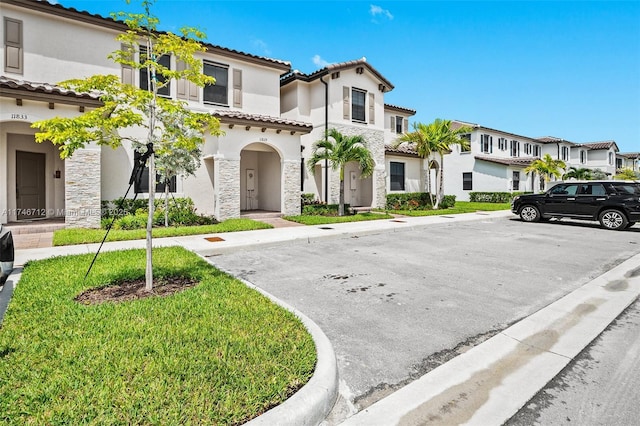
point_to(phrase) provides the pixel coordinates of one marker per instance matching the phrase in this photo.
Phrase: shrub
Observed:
(492, 197)
(408, 201)
(128, 222)
(181, 213)
(448, 201)
(324, 210)
(308, 199)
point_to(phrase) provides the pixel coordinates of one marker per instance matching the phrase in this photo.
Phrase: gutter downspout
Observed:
(326, 130)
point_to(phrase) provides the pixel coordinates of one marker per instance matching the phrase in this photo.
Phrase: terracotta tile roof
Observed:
(404, 149)
(362, 62)
(553, 139)
(520, 161)
(400, 109)
(22, 89)
(600, 145)
(256, 120)
(456, 124)
(95, 19)
(630, 155)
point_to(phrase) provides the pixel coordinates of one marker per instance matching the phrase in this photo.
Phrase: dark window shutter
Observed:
(346, 107)
(237, 88)
(490, 144)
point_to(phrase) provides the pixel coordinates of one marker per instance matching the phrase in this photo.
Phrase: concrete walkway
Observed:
(484, 386)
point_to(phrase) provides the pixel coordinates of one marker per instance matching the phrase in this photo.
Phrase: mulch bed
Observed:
(134, 289)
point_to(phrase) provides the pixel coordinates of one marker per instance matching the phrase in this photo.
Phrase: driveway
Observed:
(397, 304)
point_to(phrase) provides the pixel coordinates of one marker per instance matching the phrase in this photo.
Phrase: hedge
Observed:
(416, 201)
(492, 197)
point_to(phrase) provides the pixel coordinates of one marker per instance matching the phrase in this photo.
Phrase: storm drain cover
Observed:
(214, 239)
(399, 221)
(326, 227)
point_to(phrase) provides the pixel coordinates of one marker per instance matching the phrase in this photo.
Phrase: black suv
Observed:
(616, 204)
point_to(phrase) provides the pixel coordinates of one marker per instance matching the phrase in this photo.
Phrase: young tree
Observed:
(340, 151)
(546, 167)
(627, 174)
(423, 141)
(171, 129)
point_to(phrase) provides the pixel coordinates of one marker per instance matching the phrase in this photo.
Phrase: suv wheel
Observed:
(530, 214)
(613, 219)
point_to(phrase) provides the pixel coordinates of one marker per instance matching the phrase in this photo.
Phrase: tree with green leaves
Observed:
(579, 173)
(339, 150)
(546, 168)
(627, 174)
(171, 129)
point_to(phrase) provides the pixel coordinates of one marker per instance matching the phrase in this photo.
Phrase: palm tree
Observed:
(546, 167)
(578, 173)
(425, 145)
(436, 137)
(342, 150)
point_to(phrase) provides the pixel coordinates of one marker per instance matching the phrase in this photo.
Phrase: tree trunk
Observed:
(341, 201)
(166, 203)
(440, 196)
(429, 181)
(152, 189)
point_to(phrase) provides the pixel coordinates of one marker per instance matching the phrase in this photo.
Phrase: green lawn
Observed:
(217, 353)
(322, 220)
(460, 207)
(64, 237)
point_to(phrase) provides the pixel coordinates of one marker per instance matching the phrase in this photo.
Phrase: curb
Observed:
(313, 402)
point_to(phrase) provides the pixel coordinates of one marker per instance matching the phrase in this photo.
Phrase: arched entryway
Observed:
(260, 178)
(358, 191)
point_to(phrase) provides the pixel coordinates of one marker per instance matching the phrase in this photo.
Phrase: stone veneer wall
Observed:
(291, 185)
(375, 143)
(82, 189)
(227, 188)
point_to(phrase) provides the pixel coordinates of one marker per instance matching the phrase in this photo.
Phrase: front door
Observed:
(30, 190)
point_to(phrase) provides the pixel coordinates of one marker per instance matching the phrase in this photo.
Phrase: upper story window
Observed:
(399, 124)
(358, 107)
(502, 144)
(610, 158)
(565, 153)
(536, 150)
(13, 49)
(514, 148)
(528, 149)
(216, 93)
(466, 147)
(486, 144)
(583, 156)
(618, 163)
(164, 86)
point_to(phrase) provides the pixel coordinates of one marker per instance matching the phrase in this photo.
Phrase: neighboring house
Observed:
(596, 155)
(254, 165)
(628, 160)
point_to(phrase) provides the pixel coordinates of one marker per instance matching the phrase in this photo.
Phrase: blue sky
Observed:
(559, 68)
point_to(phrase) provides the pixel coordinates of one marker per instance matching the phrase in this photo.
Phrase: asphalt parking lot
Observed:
(397, 304)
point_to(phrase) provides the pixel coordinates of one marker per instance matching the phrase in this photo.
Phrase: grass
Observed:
(64, 237)
(322, 220)
(460, 207)
(217, 353)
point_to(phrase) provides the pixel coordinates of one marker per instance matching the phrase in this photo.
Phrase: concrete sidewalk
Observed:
(484, 386)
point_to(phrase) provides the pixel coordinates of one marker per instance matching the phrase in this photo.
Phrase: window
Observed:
(486, 144)
(583, 156)
(165, 61)
(536, 150)
(618, 163)
(561, 189)
(467, 181)
(565, 153)
(13, 49)
(397, 176)
(528, 149)
(216, 93)
(596, 189)
(502, 144)
(610, 158)
(143, 185)
(398, 124)
(465, 147)
(358, 105)
(514, 147)
(516, 181)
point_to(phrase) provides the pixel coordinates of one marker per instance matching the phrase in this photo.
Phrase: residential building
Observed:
(628, 160)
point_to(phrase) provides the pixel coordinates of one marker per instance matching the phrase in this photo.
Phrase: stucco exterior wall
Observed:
(414, 173)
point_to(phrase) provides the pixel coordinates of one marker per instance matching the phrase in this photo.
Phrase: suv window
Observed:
(592, 189)
(627, 188)
(564, 189)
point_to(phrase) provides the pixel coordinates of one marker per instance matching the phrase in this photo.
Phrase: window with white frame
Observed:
(537, 150)
(467, 181)
(396, 175)
(514, 148)
(502, 144)
(565, 153)
(610, 158)
(528, 149)
(217, 93)
(486, 144)
(358, 105)
(399, 121)
(516, 181)
(583, 156)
